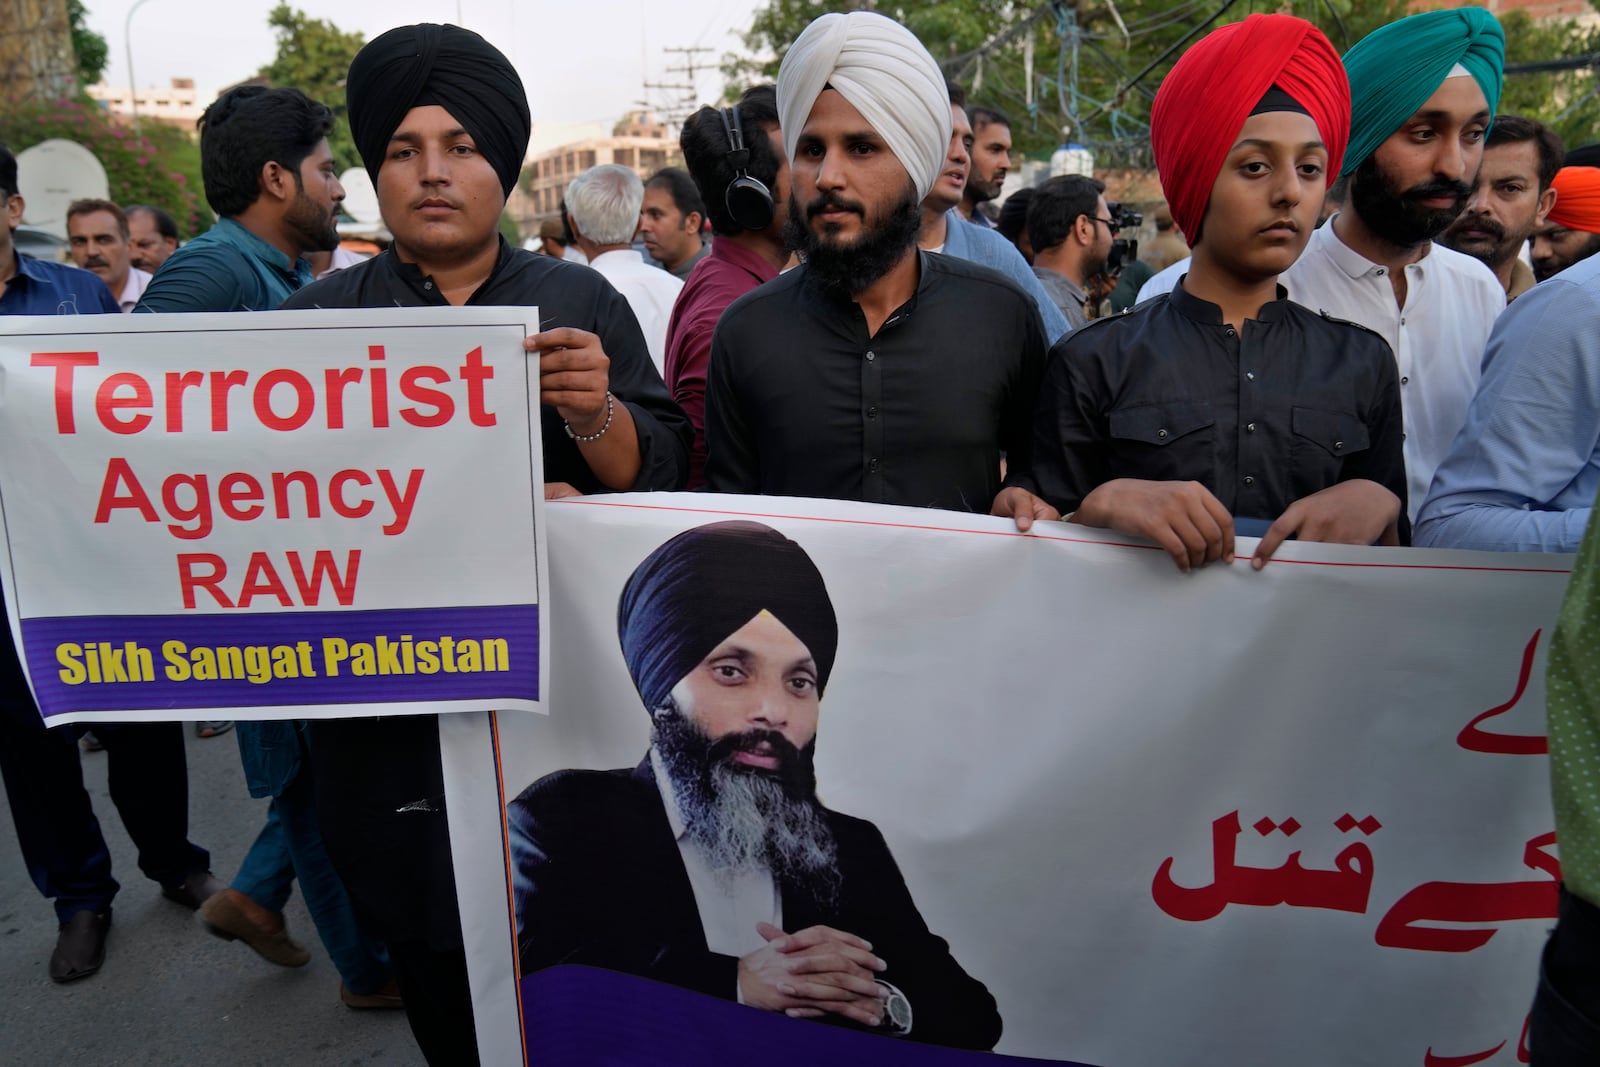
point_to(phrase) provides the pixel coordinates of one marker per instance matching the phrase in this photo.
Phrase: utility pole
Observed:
(689, 101)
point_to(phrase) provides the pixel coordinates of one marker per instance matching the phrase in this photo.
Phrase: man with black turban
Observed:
(1423, 91)
(1222, 406)
(758, 893)
(442, 123)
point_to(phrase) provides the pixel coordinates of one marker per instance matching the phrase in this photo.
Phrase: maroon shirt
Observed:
(730, 271)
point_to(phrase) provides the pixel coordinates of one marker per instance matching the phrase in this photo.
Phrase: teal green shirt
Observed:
(1572, 695)
(227, 268)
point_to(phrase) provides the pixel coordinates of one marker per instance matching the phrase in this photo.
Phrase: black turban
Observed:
(704, 584)
(415, 66)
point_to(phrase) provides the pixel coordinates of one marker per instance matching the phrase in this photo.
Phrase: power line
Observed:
(1544, 65)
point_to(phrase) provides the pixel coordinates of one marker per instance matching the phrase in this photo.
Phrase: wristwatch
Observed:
(896, 1010)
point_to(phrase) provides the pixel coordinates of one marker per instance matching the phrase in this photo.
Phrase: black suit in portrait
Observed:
(599, 881)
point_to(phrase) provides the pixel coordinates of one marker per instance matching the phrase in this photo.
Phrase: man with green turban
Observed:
(1423, 91)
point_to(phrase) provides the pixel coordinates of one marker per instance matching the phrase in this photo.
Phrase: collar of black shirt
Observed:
(1204, 311)
(839, 302)
(423, 285)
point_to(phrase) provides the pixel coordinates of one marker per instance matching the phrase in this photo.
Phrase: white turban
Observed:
(881, 68)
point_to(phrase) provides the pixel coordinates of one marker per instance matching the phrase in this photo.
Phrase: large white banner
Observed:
(1292, 816)
(219, 516)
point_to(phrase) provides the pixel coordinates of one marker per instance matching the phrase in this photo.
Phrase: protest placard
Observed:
(1084, 808)
(287, 514)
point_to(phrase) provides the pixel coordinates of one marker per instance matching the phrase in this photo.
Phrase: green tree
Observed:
(1093, 65)
(149, 168)
(89, 46)
(314, 56)
(1566, 100)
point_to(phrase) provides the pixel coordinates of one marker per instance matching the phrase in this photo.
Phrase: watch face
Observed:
(898, 1009)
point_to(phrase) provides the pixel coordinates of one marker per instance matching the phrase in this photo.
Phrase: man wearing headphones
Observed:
(736, 157)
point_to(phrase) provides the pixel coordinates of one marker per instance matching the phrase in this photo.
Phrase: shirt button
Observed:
(428, 286)
(872, 413)
(1404, 380)
(873, 466)
(1161, 433)
(1379, 272)
(1249, 375)
(1249, 480)
(1231, 332)
(1402, 322)
(871, 356)
(1250, 427)
(1337, 445)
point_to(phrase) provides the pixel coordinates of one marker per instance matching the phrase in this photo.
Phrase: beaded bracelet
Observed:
(585, 438)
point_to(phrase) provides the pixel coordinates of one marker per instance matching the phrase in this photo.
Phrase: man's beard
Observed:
(980, 191)
(744, 817)
(845, 269)
(312, 223)
(1396, 216)
(1545, 269)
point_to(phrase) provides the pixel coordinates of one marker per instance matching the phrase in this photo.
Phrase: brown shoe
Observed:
(81, 946)
(224, 918)
(387, 997)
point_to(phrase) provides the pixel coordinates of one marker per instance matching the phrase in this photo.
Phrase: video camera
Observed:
(1122, 251)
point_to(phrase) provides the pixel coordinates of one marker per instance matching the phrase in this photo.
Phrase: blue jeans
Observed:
(290, 846)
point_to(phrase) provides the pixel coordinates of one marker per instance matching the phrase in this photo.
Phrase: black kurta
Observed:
(800, 401)
(380, 784)
(567, 295)
(1295, 403)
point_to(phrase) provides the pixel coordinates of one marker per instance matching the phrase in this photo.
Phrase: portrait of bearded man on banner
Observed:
(713, 865)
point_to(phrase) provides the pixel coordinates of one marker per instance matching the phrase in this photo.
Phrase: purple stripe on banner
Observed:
(576, 1016)
(148, 662)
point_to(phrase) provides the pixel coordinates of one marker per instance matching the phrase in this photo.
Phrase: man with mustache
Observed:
(1571, 231)
(1423, 91)
(991, 162)
(152, 236)
(858, 375)
(1223, 402)
(1523, 473)
(1069, 230)
(1510, 200)
(270, 177)
(943, 231)
(758, 893)
(97, 237)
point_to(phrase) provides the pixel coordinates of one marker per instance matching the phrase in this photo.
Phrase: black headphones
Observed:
(749, 202)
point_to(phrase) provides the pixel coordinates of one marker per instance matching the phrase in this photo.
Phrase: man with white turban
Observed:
(1423, 91)
(859, 375)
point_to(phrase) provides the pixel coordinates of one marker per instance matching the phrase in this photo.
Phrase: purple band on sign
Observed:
(147, 662)
(578, 1016)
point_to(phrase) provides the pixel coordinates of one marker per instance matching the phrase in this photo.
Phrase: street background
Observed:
(170, 992)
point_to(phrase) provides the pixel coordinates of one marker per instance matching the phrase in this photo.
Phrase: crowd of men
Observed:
(1322, 350)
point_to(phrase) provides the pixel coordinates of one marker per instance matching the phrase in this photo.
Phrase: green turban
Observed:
(1395, 68)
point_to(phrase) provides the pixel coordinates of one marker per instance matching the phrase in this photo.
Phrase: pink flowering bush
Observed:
(160, 167)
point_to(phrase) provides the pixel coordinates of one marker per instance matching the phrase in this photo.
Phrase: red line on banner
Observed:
(1043, 536)
(511, 891)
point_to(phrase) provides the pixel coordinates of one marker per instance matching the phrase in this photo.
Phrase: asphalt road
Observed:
(169, 992)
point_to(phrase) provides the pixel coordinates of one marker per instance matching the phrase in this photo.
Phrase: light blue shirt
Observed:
(987, 248)
(1523, 473)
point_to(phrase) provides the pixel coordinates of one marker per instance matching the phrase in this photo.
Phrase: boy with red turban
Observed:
(1223, 404)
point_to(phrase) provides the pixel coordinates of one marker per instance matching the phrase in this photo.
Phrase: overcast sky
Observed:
(581, 60)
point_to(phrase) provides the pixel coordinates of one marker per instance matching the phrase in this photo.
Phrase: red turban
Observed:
(1203, 103)
(1577, 199)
